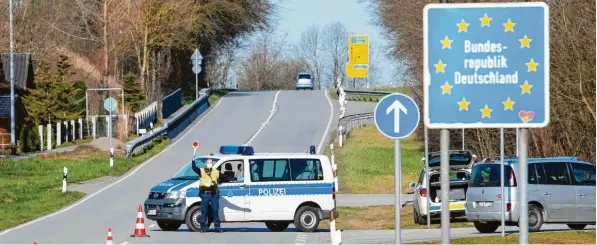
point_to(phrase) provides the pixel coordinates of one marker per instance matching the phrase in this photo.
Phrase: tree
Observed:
(221, 62)
(310, 47)
(53, 99)
(133, 95)
(336, 45)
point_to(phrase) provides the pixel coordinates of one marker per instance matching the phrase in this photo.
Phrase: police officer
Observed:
(209, 193)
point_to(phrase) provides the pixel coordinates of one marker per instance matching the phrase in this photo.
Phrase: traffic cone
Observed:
(140, 226)
(109, 238)
(34, 243)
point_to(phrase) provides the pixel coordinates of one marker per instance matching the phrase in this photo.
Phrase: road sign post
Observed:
(486, 65)
(197, 60)
(111, 105)
(397, 116)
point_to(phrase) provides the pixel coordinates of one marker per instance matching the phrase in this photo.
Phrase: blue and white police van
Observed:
(275, 188)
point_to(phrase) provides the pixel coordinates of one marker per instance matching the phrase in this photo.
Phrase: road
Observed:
(300, 118)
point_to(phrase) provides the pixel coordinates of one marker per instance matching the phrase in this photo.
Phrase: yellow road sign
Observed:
(358, 56)
(358, 49)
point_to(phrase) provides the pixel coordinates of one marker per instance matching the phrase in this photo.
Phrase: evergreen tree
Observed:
(133, 95)
(53, 98)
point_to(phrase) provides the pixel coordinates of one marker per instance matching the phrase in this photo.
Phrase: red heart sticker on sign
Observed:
(526, 116)
(195, 144)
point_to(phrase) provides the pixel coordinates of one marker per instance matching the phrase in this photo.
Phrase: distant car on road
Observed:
(560, 190)
(278, 189)
(304, 81)
(460, 172)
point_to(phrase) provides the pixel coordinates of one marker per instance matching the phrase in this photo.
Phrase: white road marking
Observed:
(121, 179)
(271, 115)
(301, 238)
(152, 225)
(124, 243)
(325, 134)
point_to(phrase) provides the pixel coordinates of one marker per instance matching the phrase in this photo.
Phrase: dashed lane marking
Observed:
(301, 238)
(271, 115)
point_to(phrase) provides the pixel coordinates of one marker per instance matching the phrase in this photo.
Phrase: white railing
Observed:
(145, 118)
(60, 132)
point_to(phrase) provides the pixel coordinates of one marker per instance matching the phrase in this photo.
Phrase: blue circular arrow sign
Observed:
(396, 116)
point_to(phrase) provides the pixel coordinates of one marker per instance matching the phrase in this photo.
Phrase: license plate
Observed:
(151, 212)
(485, 204)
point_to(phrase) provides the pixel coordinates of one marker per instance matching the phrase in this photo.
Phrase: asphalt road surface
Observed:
(299, 118)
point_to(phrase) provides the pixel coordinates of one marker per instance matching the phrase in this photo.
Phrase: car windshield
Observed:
(187, 173)
(488, 175)
(304, 76)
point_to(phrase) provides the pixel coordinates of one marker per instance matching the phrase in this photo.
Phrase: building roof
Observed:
(23, 68)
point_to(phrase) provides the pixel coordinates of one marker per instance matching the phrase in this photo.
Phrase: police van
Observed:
(275, 188)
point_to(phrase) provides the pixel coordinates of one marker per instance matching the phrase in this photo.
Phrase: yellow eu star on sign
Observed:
(446, 43)
(447, 88)
(532, 66)
(439, 67)
(485, 20)
(486, 112)
(525, 42)
(509, 26)
(462, 26)
(526, 88)
(463, 104)
(508, 104)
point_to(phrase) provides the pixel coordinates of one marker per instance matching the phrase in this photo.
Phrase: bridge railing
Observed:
(172, 128)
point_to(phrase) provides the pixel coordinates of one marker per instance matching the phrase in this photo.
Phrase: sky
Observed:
(295, 16)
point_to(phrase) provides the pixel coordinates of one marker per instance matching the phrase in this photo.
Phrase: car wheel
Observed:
(277, 225)
(489, 227)
(418, 219)
(307, 219)
(577, 226)
(535, 218)
(194, 216)
(169, 225)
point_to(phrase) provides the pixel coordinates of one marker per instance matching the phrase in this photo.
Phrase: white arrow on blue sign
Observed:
(396, 116)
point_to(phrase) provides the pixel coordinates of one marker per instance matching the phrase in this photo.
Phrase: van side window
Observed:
(306, 169)
(556, 173)
(583, 174)
(540, 174)
(269, 170)
(532, 176)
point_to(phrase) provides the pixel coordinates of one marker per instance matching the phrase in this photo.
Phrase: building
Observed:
(23, 79)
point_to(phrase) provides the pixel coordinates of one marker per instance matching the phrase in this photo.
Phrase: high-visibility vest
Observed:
(207, 180)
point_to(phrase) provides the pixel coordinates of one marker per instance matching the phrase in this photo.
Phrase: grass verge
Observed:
(381, 218)
(29, 188)
(366, 162)
(564, 237)
(216, 95)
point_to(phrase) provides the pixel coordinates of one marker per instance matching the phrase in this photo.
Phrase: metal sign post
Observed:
(197, 60)
(111, 105)
(397, 116)
(513, 92)
(503, 214)
(427, 178)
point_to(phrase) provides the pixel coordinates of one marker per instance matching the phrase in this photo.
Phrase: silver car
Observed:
(460, 163)
(560, 190)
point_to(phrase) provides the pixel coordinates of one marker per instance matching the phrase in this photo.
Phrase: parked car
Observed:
(460, 164)
(560, 190)
(304, 81)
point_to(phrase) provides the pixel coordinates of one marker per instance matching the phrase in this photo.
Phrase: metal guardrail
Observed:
(373, 95)
(173, 128)
(347, 123)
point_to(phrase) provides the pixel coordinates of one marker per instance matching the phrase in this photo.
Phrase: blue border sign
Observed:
(486, 65)
(396, 116)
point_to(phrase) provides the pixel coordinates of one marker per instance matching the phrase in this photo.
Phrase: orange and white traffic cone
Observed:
(140, 226)
(34, 243)
(109, 238)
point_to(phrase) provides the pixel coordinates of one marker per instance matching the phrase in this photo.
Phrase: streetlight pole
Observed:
(12, 77)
